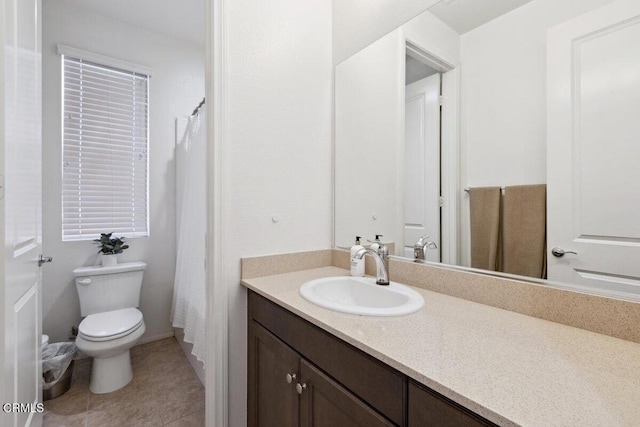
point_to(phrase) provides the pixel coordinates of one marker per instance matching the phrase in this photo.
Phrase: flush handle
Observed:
(85, 282)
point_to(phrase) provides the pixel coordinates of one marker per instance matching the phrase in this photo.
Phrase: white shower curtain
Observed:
(189, 303)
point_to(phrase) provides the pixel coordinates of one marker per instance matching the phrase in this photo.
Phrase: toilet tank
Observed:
(103, 289)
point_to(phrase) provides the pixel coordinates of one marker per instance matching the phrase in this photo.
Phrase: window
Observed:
(105, 147)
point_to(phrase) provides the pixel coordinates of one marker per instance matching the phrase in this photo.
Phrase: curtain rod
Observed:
(195, 111)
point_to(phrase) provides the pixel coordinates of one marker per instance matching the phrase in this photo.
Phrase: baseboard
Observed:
(157, 337)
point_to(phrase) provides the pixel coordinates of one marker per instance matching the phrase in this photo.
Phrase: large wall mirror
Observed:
(507, 132)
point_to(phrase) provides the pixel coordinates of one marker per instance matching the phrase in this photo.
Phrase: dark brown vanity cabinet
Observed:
(324, 403)
(273, 369)
(286, 390)
(427, 408)
(300, 375)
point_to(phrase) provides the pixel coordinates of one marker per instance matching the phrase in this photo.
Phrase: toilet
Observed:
(112, 324)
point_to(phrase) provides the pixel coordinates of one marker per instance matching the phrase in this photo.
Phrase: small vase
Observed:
(109, 260)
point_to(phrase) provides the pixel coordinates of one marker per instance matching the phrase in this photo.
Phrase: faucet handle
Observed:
(383, 251)
(376, 240)
(421, 241)
(421, 245)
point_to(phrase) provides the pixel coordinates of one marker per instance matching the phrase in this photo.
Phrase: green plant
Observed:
(110, 245)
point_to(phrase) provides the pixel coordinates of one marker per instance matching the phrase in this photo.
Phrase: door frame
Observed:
(217, 319)
(217, 337)
(449, 147)
(4, 417)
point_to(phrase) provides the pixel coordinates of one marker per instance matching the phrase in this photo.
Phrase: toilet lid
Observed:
(110, 323)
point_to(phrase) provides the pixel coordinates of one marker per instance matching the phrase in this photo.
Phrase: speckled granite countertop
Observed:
(510, 368)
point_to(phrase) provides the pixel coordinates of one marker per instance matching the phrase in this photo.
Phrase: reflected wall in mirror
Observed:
(502, 130)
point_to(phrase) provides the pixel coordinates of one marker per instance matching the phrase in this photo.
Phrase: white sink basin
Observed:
(361, 295)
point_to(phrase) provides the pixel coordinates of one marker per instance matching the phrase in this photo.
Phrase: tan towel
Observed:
(484, 206)
(524, 226)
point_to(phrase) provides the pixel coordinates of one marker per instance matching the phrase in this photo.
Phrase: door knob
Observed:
(291, 377)
(300, 387)
(42, 259)
(559, 252)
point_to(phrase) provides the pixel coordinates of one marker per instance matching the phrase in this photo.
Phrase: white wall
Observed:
(369, 129)
(369, 125)
(176, 86)
(277, 147)
(503, 96)
(358, 23)
(434, 36)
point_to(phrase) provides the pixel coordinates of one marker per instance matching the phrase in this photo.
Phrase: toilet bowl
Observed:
(109, 297)
(108, 337)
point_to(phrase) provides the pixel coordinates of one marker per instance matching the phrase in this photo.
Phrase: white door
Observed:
(422, 165)
(21, 209)
(593, 148)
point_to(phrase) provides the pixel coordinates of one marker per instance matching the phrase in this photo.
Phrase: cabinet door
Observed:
(428, 409)
(272, 400)
(376, 384)
(324, 403)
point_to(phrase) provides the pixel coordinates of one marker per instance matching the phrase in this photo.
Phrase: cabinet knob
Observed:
(290, 377)
(300, 387)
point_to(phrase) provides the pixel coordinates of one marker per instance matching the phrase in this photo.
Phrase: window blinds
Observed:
(105, 151)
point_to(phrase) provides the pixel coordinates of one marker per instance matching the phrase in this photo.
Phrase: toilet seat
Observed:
(110, 325)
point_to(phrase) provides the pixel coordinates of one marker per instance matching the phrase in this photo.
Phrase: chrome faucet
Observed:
(421, 246)
(382, 263)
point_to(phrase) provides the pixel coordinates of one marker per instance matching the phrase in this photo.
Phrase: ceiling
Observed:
(465, 15)
(416, 70)
(183, 20)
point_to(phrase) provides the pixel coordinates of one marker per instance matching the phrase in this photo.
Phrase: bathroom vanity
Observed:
(454, 362)
(302, 375)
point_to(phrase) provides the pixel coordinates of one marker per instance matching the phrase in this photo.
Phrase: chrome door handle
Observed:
(559, 252)
(291, 377)
(42, 259)
(300, 387)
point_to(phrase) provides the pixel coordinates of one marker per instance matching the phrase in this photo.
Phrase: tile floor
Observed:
(165, 391)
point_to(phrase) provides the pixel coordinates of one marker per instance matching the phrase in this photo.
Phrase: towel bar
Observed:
(467, 189)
